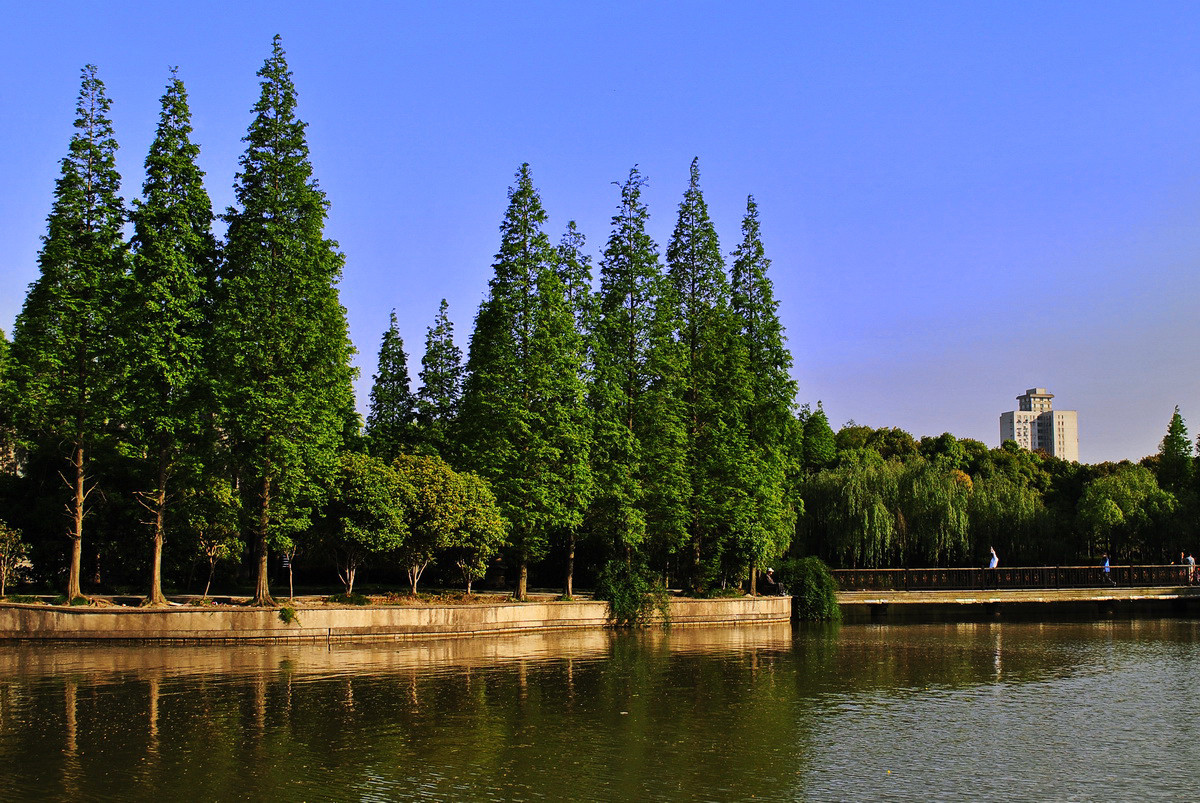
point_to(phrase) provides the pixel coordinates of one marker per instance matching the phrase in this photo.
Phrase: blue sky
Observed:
(961, 200)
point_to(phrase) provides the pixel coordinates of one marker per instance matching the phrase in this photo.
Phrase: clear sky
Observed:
(961, 200)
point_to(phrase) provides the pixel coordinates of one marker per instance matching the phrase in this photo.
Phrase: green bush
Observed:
(813, 589)
(349, 599)
(631, 594)
(287, 615)
(25, 598)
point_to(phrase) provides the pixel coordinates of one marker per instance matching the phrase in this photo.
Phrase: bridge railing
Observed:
(1016, 577)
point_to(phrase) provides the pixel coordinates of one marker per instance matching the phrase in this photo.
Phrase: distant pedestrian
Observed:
(1108, 570)
(1191, 564)
(995, 561)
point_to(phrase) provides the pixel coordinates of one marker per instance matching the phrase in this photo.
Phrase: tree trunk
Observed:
(569, 586)
(754, 578)
(76, 535)
(212, 569)
(522, 579)
(160, 507)
(262, 590)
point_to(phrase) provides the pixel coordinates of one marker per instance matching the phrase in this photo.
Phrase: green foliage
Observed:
(813, 589)
(391, 422)
(348, 599)
(820, 444)
(368, 512)
(163, 317)
(281, 330)
(65, 371)
(481, 532)
(1175, 468)
(14, 553)
(523, 420)
(1122, 512)
(630, 284)
(287, 615)
(631, 594)
(441, 386)
(433, 514)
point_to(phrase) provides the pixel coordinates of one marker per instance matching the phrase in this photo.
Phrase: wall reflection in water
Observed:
(720, 713)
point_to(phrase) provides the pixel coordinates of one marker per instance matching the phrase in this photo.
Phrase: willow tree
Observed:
(284, 349)
(522, 419)
(174, 255)
(63, 342)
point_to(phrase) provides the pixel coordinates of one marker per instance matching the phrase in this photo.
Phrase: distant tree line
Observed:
(187, 402)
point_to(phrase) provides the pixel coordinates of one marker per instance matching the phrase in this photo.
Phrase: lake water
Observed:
(997, 711)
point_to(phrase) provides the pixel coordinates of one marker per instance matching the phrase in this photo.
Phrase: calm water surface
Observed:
(1012, 711)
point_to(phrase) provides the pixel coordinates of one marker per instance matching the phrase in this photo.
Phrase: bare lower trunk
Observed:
(522, 579)
(754, 579)
(569, 586)
(262, 590)
(76, 535)
(212, 569)
(291, 588)
(160, 508)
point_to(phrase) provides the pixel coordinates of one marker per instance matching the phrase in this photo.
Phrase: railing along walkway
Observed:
(1018, 577)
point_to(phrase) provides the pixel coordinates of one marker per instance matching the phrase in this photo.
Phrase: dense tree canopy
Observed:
(645, 421)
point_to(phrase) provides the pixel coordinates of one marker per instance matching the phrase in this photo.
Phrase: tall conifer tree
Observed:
(574, 271)
(1175, 456)
(164, 311)
(282, 330)
(523, 393)
(441, 386)
(769, 417)
(391, 422)
(62, 348)
(630, 284)
(713, 383)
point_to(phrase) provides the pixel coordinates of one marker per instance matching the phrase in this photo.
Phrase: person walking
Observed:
(1108, 570)
(995, 561)
(1191, 564)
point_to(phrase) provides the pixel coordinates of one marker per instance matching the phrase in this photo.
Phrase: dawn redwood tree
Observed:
(284, 349)
(574, 271)
(820, 444)
(8, 435)
(522, 418)
(163, 312)
(441, 386)
(714, 384)
(631, 282)
(1175, 456)
(768, 414)
(63, 341)
(391, 422)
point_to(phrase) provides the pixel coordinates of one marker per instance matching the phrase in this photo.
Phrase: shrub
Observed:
(349, 599)
(287, 615)
(813, 589)
(631, 594)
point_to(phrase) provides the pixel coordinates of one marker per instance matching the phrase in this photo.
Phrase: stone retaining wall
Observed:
(41, 622)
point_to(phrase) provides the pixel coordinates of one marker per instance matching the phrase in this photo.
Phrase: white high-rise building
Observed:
(1035, 424)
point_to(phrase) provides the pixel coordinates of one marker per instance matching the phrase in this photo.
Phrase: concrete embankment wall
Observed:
(42, 622)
